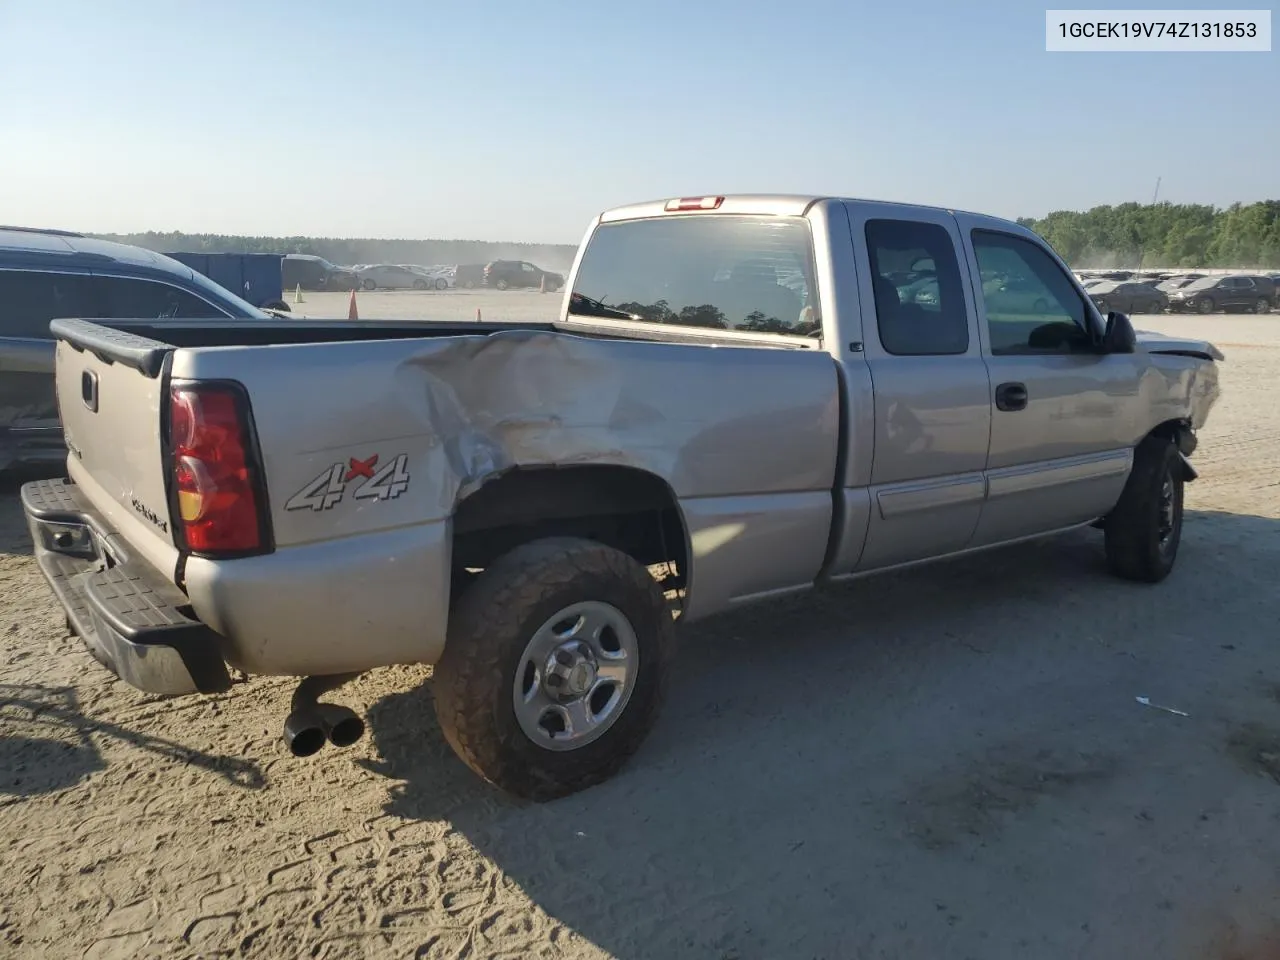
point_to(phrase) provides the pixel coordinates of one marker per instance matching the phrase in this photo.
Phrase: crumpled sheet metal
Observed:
(712, 421)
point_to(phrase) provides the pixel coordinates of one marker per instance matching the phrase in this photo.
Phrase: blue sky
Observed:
(518, 121)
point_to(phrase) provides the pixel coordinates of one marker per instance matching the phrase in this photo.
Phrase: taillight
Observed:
(213, 472)
(694, 203)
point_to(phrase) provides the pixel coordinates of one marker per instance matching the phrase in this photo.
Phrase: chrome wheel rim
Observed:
(575, 676)
(1165, 523)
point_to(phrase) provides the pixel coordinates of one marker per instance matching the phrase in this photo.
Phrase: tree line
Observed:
(1165, 235)
(1127, 235)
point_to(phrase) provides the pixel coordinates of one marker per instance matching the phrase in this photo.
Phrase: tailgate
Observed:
(110, 386)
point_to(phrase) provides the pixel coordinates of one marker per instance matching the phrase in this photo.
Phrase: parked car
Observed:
(46, 274)
(1018, 294)
(391, 276)
(469, 275)
(438, 278)
(522, 504)
(504, 274)
(1215, 294)
(1177, 283)
(315, 273)
(1128, 296)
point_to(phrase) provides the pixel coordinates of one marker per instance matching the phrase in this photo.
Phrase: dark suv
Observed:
(504, 274)
(315, 273)
(46, 274)
(1214, 294)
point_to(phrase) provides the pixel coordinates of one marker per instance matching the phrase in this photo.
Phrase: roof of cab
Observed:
(28, 246)
(761, 204)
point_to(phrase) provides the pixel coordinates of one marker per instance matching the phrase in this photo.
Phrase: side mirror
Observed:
(1118, 336)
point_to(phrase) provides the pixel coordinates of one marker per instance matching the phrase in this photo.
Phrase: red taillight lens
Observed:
(212, 471)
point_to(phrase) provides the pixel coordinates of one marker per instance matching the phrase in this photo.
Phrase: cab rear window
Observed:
(716, 271)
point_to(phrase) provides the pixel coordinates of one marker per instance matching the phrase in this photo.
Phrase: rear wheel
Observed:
(1145, 528)
(1205, 305)
(555, 667)
(1262, 306)
(419, 284)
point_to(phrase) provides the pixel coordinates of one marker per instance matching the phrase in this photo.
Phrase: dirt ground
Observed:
(944, 763)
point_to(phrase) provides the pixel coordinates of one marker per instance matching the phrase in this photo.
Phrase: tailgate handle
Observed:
(89, 390)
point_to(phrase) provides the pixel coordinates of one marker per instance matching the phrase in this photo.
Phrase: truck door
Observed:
(932, 409)
(1063, 416)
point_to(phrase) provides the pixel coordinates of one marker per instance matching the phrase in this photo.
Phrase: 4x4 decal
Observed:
(363, 479)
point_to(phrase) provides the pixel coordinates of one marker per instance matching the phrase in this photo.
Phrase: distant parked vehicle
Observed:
(392, 276)
(1127, 296)
(315, 273)
(1214, 294)
(257, 277)
(1174, 284)
(505, 274)
(469, 275)
(437, 278)
(1017, 295)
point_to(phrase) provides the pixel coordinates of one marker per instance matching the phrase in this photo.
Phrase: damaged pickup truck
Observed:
(741, 397)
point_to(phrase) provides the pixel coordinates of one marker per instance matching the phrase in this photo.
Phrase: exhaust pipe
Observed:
(304, 732)
(341, 725)
(310, 723)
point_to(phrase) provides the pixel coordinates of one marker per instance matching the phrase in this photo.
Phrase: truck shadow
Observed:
(47, 744)
(773, 787)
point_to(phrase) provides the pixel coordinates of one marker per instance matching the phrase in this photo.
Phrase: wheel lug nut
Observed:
(555, 680)
(564, 658)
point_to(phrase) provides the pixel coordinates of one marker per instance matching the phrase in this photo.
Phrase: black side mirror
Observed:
(1119, 336)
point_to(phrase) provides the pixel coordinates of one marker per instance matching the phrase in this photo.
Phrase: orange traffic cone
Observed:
(478, 320)
(352, 313)
(542, 284)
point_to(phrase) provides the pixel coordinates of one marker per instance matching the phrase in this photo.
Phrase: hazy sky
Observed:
(518, 121)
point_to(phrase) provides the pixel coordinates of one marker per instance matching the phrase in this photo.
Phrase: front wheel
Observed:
(555, 667)
(1205, 305)
(368, 284)
(501, 284)
(442, 283)
(1145, 528)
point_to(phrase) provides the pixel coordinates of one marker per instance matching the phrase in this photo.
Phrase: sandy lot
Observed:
(943, 763)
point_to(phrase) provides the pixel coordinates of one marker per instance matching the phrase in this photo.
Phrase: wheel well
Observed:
(1178, 431)
(629, 509)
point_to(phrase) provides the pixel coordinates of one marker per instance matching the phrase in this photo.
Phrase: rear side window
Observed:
(30, 299)
(920, 309)
(718, 271)
(127, 298)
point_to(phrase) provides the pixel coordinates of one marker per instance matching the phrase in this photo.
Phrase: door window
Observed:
(1032, 306)
(919, 296)
(29, 299)
(127, 298)
(527, 267)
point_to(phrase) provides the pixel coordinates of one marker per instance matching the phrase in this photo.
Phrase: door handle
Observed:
(1011, 396)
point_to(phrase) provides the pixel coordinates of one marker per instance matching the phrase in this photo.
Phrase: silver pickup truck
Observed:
(741, 397)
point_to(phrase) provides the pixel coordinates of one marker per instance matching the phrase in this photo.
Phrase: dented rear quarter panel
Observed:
(363, 582)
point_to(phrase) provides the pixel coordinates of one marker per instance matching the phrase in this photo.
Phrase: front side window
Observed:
(920, 309)
(29, 299)
(1032, 306)
(128, 298)
(723, 272)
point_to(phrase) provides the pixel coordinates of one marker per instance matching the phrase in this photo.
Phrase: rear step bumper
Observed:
(132, 619)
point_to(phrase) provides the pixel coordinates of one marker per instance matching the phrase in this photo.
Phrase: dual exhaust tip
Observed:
(308, 728)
